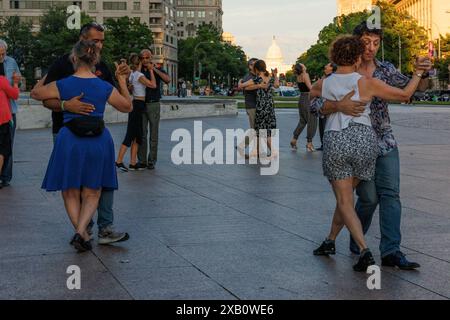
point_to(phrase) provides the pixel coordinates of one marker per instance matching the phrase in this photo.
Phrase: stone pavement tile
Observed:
(432, 275)
(430, 189)
(147, 183)
(45, 277)
(286, 269)
(23, 239)
(415, 223)
(426, 206)
(179, 283)
(151, 207)
(204, 229)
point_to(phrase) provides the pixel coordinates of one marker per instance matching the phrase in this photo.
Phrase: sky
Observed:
(295, 23)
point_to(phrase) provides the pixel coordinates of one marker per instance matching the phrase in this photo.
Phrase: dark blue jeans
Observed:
(384, 191)
(6, 174)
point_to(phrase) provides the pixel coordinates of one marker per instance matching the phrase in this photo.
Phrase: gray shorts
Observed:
(351, 152)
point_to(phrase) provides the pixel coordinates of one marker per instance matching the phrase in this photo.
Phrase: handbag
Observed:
(86, 126)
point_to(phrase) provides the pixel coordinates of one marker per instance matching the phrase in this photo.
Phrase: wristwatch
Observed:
(426, 75)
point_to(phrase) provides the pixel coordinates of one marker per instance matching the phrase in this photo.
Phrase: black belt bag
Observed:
(86, 126)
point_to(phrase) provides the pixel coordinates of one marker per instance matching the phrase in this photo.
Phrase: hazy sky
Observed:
(295, 23)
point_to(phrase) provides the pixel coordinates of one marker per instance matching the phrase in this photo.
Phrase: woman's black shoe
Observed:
(79, 243)
(365, 260)
(326, 248)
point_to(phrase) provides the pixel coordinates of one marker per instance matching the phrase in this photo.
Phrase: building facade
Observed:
(193, 13)
(159, 15)
(345, 7)
(433, 15)
(228, 38)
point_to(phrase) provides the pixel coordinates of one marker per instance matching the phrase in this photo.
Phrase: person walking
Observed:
(82, 161)
(306, 118)
(350, 142)
(133, 137)
(152, 113)
(384, 189)
(10, 70)
(250, 92)
(61, 69)
(7, 93)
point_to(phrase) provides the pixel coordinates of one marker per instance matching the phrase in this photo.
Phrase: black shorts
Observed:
(5, 140)
(135, 129)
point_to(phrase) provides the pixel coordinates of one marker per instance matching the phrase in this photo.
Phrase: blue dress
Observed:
(82, 161)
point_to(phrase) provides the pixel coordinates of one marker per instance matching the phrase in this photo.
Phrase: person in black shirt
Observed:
(61, 69)
(153, 110)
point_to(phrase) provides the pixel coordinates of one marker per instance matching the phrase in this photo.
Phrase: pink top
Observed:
(7, 92)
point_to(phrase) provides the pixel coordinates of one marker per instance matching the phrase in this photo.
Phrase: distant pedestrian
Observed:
(9, 69)
(7, 93)
(306, 118)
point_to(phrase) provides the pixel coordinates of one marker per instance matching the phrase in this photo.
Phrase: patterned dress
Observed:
(265, 108)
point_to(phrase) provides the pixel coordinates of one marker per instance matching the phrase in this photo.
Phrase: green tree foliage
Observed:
(443, 63)
(217, 58)
(413, 38)
(20, 40)
(125, 36)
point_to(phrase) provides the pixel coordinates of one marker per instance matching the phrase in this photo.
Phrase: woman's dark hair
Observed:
(251, 61)
(261, 66)
(134, 60)
(362, 29)
(298, 69)
(86, 53)
(346, 50)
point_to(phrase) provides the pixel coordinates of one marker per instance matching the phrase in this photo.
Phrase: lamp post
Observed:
(195, 63)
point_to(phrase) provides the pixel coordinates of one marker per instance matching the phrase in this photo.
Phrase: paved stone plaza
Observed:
(225, 232)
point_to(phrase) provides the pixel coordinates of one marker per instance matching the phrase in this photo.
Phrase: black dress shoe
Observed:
(399, 260)
(5, 184)
(79, 243)
(326, 248)
(150, 166)
(365, 260)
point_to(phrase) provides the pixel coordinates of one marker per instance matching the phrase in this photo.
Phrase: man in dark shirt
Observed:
(250, 93)
(61, 69)
(153, 111)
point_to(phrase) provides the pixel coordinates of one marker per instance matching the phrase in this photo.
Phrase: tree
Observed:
(215, 57)
(125, 36)
(395, 25)
(54, 38)
(443, 64)
(21, 44)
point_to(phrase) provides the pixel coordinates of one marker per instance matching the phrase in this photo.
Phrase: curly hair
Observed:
(346, 50)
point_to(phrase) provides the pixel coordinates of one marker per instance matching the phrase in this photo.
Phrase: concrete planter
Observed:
(32, 115)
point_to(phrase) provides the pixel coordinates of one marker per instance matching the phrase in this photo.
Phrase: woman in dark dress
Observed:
(82, 162)
(265, 119)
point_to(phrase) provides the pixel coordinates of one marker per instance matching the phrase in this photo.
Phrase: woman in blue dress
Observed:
(83, 158)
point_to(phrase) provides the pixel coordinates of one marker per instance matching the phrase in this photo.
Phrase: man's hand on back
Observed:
(351, 107)
(75, 105)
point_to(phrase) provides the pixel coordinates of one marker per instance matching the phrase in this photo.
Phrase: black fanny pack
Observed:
(86, 126)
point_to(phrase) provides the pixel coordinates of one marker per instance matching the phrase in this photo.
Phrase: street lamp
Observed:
(194, 56)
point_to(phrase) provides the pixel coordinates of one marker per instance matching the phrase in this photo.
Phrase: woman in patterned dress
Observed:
(350, 143)
(265, 119)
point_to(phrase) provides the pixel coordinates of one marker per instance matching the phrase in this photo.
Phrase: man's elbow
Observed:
(34, 95)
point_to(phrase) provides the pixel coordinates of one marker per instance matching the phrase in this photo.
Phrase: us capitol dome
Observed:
(274, 58)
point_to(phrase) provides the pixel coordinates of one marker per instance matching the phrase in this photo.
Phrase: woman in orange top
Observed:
(7, 92)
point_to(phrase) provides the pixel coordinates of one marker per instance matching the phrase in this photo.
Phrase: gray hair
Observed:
(146, 51)
(3, 44)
